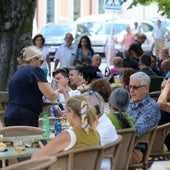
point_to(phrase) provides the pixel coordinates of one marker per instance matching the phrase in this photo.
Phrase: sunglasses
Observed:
(136, 87)
(92, 93)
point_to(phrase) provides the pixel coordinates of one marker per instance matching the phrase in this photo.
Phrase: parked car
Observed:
(98, 39)
(119, 25)
(94, 22)
(54, 34)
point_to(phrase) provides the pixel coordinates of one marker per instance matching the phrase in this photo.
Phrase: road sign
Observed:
(113, 4)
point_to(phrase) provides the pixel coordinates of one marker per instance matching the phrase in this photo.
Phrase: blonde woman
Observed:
(83, 119)
(26, 88)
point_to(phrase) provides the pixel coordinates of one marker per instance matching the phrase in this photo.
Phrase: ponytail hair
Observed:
(87, 113)
(119, 100)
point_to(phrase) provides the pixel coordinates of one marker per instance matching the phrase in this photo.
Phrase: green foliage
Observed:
(163, 5)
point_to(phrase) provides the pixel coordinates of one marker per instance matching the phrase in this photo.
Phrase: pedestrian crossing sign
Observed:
(113, 4)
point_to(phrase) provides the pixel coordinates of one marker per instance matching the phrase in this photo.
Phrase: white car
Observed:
(54, 34)
(101, 25)
(94, 22)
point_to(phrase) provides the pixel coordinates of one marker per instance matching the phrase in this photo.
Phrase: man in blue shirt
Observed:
(144, 110)
(159, 35)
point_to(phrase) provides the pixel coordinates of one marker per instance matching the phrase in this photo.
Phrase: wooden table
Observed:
(11, 153)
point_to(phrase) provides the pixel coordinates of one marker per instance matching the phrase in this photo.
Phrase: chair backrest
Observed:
(147, 139)
(83, 158)
(127, 145)
(155, 84)
(3, 100)
(155, 94)
(20, 131)
(158, 145)
(112, 150)
(33, 164)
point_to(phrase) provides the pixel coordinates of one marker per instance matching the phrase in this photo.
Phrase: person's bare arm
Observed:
(163, 98)
(47, 91)
(56, 145)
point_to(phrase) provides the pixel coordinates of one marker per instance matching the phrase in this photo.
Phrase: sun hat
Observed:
(31, 52)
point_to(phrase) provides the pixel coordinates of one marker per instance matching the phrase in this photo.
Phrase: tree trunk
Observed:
(16, 20)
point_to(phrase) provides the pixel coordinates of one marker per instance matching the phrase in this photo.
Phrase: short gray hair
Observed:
(119, 99)
(142, 77)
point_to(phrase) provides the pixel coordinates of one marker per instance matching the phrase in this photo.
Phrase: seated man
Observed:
(143, 109)
(61, 77)
(145, 65)
(96, 62)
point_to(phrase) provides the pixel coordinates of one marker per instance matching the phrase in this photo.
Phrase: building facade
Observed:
(67, 11)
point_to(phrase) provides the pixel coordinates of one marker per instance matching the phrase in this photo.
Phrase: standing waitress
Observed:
(26, 88)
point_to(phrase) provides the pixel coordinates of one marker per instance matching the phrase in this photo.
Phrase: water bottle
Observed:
(46, 126)
(57, 126)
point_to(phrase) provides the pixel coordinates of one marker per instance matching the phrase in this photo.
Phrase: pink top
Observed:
(128, 38)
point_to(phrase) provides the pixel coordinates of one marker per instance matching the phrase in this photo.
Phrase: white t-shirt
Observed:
(66, 56)
(108, 134)
(62, 100)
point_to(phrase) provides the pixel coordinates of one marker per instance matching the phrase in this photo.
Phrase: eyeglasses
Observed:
(91, 93)
(135, 87)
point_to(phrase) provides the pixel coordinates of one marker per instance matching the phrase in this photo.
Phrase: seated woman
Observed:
(82, 117)
(119, 102)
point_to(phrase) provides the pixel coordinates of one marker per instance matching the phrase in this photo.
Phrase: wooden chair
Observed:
(3, 104)
(148, 139)
(158, 148)
(12, 131)
(111, 151)
(3, 99)
(20, 131)
(33, 164)
(79, 159)
(127, 145)
(155, 94)
(155, 84)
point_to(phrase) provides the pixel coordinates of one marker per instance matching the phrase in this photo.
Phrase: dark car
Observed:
(54, 34)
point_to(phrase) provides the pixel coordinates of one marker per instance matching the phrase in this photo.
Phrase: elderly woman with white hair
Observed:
(26, 88)
(119, 101)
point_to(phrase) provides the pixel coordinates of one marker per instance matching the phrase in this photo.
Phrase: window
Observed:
(50, 11)
(101, 9)
(76, 9)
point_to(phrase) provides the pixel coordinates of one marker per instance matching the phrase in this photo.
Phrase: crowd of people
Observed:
(94, 108)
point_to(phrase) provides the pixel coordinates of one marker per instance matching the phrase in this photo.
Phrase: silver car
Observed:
(54, 34)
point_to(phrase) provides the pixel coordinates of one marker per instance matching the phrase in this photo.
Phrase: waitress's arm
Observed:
(47, 91)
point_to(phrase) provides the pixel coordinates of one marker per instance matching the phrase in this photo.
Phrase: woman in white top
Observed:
(105, 128)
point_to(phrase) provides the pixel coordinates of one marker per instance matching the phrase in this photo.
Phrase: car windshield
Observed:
(92, 26)
(106, 28)
(56, 30)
